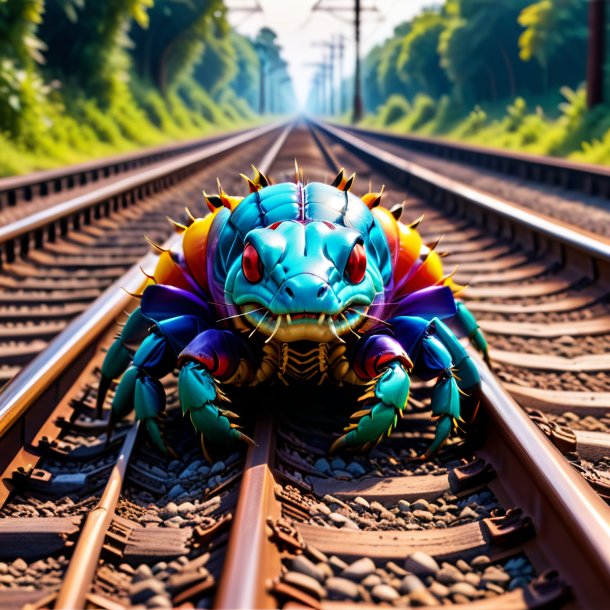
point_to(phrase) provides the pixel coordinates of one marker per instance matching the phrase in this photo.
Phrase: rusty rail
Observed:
(580, 177)
(538, 230)
(15, 189)
(17, 237)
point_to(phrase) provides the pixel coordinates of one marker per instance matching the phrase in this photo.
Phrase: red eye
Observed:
(356, 265)
(251, 264)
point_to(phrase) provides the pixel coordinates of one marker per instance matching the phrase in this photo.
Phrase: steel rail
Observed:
(45, 370)
(85, 556)
(34, 225)
(564, 503)
(416, 176)
(15, 188)
(49, 367)
(251, 559)
(572, 175)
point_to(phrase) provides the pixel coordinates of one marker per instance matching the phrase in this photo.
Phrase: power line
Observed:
(357, 9)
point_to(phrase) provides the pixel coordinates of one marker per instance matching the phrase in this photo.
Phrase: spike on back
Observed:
(252, 186)
(396, 211)
(339, 178)
(297, 172)
(372, 199)
(190, 214)
(177, 226)
(213, 201)
(157, 247)
(259, 178)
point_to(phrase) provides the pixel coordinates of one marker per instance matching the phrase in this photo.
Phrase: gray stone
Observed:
(473, 578)
(175, 491)
(420, 505)
(421, 564)
(342, 474)
(359, 569)
(411, 583)
(20, 564)
(422, 598)
(301, 564)
(395, 569)
(518, 583)
(322, 465)
(384, 593)
(462, 566)
(305, 583)
(337, 463)
(439, 590)
(337, 564)
(186, 507)
(337, 518)
(143, 572)
(495, 575)
(463, 588)
(355, 469)
(145, 589)
(480, 560)
(404, 506)
(371, 581)
(423, 515)
(361, 502)
(217, 467)
(341, 588)
(468, 513)
(448, 575)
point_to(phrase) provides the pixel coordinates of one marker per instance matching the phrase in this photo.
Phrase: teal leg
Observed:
(200, 397)
(471, 328)
(386, 398)
(456, 393)
(119, 356)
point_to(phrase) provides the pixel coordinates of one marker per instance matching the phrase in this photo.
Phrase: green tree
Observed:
(419, 62)
(86, 43)
(555, 36)
(167, 48)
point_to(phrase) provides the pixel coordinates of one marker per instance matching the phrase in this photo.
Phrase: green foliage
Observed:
(424, 109)
(395, 109)
(419, 62)
(515, 114)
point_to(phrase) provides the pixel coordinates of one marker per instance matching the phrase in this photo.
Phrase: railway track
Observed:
(574, 193)
(60, 250)
(495, 519)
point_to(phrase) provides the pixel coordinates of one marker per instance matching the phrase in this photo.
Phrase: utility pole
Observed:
(357, 113)
(595, 62)
(341, 49)
(330, 71)
(357, 10)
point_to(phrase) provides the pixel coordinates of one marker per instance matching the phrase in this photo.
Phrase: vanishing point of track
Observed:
(498, 519)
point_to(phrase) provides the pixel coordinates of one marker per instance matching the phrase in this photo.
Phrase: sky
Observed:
(297, 27)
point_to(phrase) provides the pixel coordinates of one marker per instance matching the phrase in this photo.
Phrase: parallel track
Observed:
(58, 259)
(291, 518)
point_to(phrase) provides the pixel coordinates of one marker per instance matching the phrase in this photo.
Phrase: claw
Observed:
(443, 428)
(198, 394)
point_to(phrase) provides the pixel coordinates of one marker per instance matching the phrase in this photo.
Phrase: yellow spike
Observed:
(296, 171)
(432, 245)
(397, 210)
(350, 427)
(157, 247)
(214, 201)
(359, 414)
(178, 227)
(131, 294)
(372, 200)
(416, 222)
(349, 182)
(189, 214)
(150, 277)
(366, 396)
(339, 178)
(251, 185)
(259, 178)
